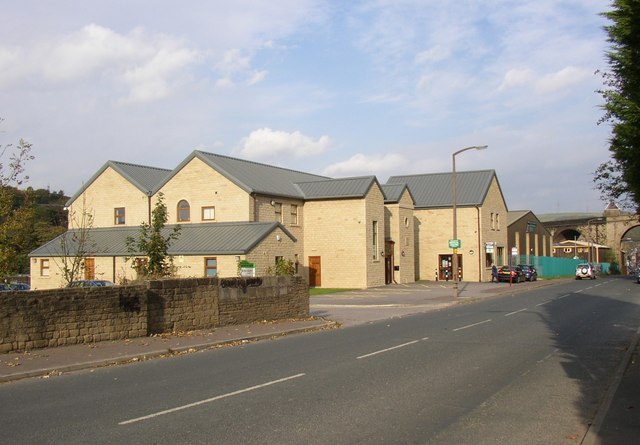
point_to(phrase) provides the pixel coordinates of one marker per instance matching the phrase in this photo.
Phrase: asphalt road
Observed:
(530, 369)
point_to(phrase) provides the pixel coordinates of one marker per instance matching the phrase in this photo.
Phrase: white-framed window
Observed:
(208, 213)
(118, 216)
(294, 214)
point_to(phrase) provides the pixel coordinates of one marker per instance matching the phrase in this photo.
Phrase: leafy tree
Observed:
(13, 233)
(154, 243)
(619, 179)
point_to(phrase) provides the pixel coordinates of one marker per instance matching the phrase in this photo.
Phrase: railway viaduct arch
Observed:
(612, 227)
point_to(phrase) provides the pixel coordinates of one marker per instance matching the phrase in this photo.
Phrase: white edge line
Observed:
(564, 296)
(212, 399)
(388, 349)
(515, 312)
(543, 303)
(471, 325)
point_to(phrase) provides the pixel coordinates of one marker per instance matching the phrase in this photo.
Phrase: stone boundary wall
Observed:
(59, 317)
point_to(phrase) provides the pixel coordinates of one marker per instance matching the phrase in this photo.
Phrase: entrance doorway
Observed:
(388, 262)
(89, 268)
(445, 266)
(315, 271)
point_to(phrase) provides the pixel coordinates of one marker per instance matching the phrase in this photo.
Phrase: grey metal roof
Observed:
(562, 217)
(252, 177)
(232, 238)
(393, 192)
(337, 188)
(144, 177)
(435, 189)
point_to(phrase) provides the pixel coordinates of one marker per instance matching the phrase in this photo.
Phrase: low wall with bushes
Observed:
(58, 317)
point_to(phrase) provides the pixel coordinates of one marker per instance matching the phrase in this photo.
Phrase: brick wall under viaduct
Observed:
(58, 317)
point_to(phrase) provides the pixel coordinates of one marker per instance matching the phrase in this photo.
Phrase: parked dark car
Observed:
(5, 287)
(530, 272)
(90, 283)
(513, 274)
(20, 286)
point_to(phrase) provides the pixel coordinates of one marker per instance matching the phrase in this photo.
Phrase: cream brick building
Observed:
(343, 233)
(481, 224)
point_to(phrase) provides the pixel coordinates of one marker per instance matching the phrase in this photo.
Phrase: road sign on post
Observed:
(454, 244)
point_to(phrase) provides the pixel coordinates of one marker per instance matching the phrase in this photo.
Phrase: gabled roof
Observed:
(232, 238)
(515, 215)
(252, 177)
(145, 178)
(393, 192)
(337, 188)
(435, 189)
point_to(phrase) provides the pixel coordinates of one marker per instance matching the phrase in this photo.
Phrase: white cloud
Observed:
(363, 164)
(562, 79)
(516, 78)
(93, 48)
(257, 77)
(11, 67)
(150, 65)
(233, 61)
(549, 83)
(436, 53)
(266, 143)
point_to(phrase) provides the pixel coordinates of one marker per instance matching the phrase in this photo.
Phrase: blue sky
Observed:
(329, 87)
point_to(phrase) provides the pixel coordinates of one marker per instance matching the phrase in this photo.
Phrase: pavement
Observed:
(617, 422)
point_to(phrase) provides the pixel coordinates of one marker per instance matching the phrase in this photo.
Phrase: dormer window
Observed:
(184, 211)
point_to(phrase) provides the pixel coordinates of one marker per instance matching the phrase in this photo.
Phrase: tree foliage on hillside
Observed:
(619, 179)
(12, 214)
(28, 217)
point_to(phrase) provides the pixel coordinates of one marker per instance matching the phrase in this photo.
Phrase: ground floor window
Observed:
(489, 261)
(210, 267)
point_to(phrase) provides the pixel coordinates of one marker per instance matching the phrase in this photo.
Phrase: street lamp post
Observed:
(455, 216)
(591, 239)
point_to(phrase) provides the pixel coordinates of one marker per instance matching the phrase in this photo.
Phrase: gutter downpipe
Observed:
(149, 194)
(479, 249)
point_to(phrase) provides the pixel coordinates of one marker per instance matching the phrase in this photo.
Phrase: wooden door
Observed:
(89, 268)
(315, 271)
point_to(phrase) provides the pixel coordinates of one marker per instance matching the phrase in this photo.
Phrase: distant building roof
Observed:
(435, 189)
(515, 215)
(568, 216)
(145, 178)
(337, 188)
(232, 238)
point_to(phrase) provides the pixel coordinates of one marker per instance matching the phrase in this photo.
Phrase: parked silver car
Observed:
(585, 270)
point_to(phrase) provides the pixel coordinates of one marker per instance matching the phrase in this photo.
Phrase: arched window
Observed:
(184, 211)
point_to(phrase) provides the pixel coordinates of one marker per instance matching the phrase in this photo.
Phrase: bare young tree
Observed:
(76, 244)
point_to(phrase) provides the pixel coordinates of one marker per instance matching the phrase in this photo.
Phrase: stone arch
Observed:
(630, 250)
(567, 234)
